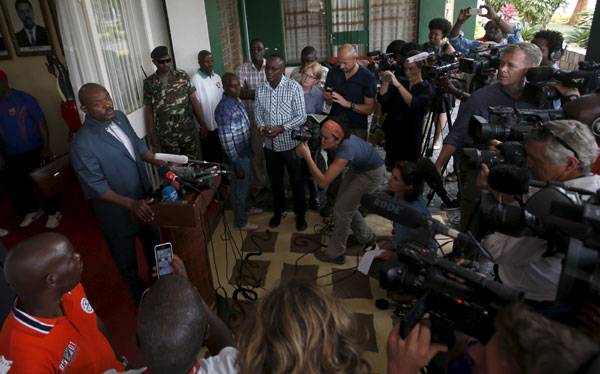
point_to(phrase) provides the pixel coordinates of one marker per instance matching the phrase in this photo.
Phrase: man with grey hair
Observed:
(561, 151)
(510, 90)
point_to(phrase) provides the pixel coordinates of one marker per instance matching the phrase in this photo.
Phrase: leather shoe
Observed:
(321, 256)
(276, 219)
(314, 204)
(300, 223)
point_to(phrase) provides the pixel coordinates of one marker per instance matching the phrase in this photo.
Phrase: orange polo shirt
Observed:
(69, 344)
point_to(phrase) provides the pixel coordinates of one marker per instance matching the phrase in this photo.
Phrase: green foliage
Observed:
(581, 32)
(531, 12)
(527, 32)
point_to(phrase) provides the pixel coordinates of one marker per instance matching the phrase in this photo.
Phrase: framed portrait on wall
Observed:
(27, 26)
(3, 46)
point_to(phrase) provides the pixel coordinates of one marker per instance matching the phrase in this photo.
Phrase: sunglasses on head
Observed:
(546, 131)
(165, 61)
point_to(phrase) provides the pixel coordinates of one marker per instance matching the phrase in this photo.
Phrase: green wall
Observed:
(214, 35)
(469, 26)
(264, 21)
(593, 54)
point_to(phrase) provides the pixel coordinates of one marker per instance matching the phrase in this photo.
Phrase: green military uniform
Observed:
(172, 108)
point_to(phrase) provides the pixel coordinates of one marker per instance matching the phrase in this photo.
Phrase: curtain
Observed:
(305, 23)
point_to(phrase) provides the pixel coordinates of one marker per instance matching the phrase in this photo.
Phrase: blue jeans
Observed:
(240, 201)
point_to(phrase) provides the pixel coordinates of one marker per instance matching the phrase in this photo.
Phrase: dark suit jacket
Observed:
(103, 163)
(41, 37)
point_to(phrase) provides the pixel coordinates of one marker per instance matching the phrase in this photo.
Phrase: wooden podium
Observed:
(188, 225)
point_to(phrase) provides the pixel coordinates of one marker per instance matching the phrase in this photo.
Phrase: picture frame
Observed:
(4, 53)
(27, 26)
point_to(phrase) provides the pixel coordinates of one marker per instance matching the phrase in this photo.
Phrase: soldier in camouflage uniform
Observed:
(169, 99)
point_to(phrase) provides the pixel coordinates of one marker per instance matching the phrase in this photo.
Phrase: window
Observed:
(305, 24)
(229, 26)
(391, 20)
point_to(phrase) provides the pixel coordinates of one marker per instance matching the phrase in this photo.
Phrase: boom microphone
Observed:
(509, 179)
(586, 80)
(433, 178)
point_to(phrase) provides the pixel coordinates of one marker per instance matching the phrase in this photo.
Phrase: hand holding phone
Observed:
(163, 254)
(475, 11)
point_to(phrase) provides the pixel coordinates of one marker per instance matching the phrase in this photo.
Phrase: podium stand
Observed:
(188, 225)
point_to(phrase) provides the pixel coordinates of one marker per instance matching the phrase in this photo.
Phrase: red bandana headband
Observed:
(335, 128)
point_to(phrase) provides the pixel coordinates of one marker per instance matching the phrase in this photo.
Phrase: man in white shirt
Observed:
(209, 91)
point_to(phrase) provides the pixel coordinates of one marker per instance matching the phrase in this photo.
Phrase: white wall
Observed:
(189, 32)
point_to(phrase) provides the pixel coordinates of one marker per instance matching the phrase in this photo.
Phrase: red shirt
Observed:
(69, 344)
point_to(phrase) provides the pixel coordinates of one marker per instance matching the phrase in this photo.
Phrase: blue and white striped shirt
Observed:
(282, 106)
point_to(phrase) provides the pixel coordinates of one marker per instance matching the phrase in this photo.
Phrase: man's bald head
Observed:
(347, 58)
(42, 263)
(85, 90)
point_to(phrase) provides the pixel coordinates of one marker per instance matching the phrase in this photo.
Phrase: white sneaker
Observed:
(249, 227)
(254, 212)
(438, 144)
(53, 220)
(3, 233)
(31, 217)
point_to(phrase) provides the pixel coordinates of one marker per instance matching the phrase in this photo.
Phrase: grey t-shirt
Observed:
(360, 155)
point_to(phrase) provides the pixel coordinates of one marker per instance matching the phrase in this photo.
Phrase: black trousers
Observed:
(211, 147)
(122, 250)
(275, 164)
(20, 185)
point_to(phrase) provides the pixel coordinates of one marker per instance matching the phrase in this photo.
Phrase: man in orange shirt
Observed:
(52, 327)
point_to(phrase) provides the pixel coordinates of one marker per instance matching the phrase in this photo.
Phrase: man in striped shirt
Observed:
(279, 110)
(234, 132)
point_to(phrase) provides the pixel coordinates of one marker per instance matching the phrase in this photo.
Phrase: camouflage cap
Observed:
(159, 52)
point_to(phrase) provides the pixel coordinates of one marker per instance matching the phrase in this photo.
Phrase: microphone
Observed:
(409, 217)
(433, 178)
(509, 179)
(576, 78)
(169, 194)
(419, 57)
(180, 159)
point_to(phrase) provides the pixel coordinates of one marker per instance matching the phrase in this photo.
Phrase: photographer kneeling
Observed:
(366, 172)
(561, 151)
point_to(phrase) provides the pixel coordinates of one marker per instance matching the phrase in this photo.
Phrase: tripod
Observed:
(441, 103)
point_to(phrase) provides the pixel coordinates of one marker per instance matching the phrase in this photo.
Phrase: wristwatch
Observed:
(352, 106)
(124, 361)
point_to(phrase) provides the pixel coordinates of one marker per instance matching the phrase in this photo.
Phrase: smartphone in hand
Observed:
(163, 254)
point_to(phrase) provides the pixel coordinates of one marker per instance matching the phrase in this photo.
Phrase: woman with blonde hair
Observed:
(297, 328)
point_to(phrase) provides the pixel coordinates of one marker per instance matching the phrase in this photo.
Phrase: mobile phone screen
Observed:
(164, 254)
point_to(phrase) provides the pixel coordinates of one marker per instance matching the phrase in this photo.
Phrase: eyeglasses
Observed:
(308, 76)
(165, 61)
(545, 131)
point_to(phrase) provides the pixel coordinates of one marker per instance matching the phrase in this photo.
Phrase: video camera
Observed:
(510, 153)
(483, 66)
(310, 132)
(440, 66)
(586, 79)
(383, 62)
(509, 123)
(469, 307)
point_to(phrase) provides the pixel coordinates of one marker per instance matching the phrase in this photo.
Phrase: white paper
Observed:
(367, 260)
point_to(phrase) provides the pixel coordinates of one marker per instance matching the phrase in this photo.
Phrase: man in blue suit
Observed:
(108, 159)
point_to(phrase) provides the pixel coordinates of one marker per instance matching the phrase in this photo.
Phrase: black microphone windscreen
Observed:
(392, 210)
(163, 170)
(430, 173)
(509, 179)
(540, 74)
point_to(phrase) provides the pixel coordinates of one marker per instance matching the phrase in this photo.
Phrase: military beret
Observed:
(159, 52)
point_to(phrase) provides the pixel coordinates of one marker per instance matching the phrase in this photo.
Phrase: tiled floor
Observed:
(286, 254)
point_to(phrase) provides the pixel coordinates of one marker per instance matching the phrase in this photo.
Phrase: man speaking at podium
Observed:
(108, 159)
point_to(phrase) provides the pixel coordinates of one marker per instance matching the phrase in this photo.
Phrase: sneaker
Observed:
(276, 219)
(438, 143)
(254, 212)
(53, 220)
(31, 217)
(3, 233)
(371, 242)
(321, 256)
(249, 227)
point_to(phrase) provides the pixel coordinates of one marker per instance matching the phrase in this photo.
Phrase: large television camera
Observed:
(469, 304)
(438, 66)
(510, 153)
(383, 62)
(483, 66)
(586, 79)
(509, 123)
